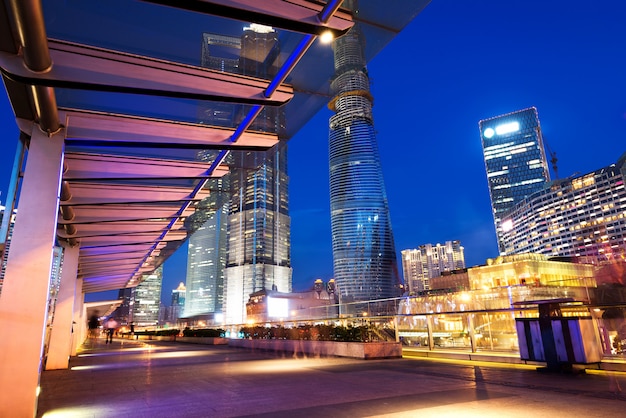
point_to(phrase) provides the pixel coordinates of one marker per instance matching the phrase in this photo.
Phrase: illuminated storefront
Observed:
(483, 318)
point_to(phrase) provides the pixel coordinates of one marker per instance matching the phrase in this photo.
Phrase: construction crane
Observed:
(553, 159)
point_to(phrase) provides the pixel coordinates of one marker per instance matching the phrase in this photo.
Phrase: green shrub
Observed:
(310, 332)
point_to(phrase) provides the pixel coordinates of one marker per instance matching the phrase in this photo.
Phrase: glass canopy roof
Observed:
(143, 88)
(176, 35)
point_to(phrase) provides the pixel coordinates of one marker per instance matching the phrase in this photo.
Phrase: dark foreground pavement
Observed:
(163, 379)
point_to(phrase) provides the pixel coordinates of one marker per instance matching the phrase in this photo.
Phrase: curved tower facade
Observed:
(364, 255)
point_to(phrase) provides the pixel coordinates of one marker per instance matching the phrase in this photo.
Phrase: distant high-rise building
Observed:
(206, 253)
(515, 160)
(245, 237)
(364, 255)
(124, 312)
(147, 299)
(170, 314)
(428, 261)
(178, 295)
(582, 216)
(6, 240)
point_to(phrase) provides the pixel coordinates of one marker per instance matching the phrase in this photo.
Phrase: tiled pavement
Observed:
(166, 379)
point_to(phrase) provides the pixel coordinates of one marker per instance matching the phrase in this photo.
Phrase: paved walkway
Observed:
(166, 379)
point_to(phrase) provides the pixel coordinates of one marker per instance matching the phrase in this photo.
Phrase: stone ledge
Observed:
(366, 351)
(203, 340)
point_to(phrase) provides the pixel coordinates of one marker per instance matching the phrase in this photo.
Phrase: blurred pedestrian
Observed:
(93, 324)
(110, 326)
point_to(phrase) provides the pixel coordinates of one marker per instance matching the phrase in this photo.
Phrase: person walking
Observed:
(93, 325)
(111, 325)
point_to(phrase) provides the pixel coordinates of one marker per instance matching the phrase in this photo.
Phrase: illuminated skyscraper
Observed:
(364, 254)
(422, 264)
(259, 226)
(245, 237)
(515, 161)
(206, 254)
(147, 299)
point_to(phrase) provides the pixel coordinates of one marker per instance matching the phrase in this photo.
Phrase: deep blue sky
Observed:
(456, 63)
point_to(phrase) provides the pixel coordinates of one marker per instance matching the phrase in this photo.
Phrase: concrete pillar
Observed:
(472, 331)
(78, 334)
(430, 326)
(60, 346)
(25, 291)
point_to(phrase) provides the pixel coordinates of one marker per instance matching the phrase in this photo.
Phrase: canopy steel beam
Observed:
(120, 130)
(90, 68)
(84, 166)
(294, 15)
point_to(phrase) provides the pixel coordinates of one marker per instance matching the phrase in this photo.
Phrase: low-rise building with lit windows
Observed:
(583, 216)
(428, 261)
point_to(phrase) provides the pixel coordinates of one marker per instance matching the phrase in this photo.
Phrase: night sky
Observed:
(458, 62)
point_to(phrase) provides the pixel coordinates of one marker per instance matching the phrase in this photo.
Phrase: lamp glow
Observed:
(488, 133)
(277, 308)
(507, 128)
(326, 37)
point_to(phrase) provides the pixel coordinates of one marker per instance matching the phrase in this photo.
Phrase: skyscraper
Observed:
(147, 299)
(259, 239)
(178, 295)
(422, 264)
(244, 238)
(364, 254)
(515, 161)
(206, 253)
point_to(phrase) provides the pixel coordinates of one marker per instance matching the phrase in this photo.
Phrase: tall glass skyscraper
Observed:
(147, 299)
(364, 255)
(245, 239)
(259, 227)
(515, 161)
(206, 254)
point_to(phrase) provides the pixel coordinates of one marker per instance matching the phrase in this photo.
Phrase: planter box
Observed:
(164, 338)
(156, 337)
(372, 350)
(203, 340)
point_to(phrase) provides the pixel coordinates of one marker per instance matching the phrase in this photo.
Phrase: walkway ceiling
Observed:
(146, 122)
